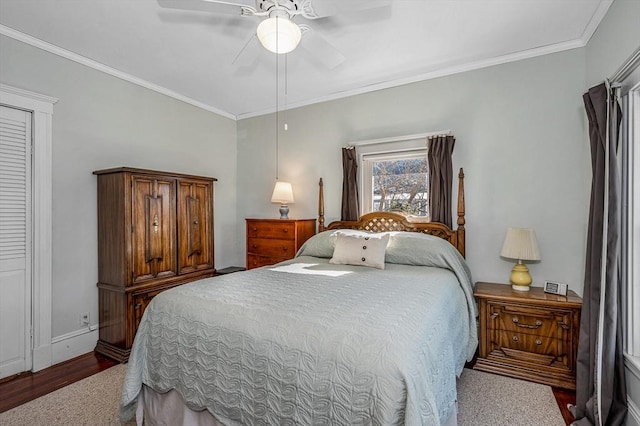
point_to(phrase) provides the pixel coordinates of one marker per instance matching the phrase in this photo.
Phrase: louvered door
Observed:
(15, 248)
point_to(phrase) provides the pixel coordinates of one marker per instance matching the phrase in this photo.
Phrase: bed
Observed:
(337, 335)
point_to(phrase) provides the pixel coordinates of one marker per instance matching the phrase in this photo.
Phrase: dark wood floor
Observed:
(25, 387)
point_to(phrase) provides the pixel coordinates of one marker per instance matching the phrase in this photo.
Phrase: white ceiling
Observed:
(190, 54)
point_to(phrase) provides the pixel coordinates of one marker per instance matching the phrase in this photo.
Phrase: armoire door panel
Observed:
(195, 210)
(195, 220)
(152, 218)
(153, 232)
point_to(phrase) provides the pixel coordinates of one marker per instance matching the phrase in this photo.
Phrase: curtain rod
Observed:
(399, 138)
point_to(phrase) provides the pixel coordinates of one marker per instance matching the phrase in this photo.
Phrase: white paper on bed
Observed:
(373, 347)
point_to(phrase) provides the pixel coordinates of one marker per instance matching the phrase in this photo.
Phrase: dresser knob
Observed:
(255, 229)
(285, 248)
(538, 342)
(255, 246)
(285, 230)
(515, 338)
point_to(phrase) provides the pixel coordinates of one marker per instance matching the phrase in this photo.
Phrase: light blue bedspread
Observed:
(278, 347)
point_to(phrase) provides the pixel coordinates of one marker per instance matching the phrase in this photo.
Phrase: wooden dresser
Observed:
(155, 231)
(271, 241)
(529, 335)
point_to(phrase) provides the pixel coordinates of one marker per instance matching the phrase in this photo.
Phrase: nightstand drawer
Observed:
(272, 247)
(554, 324)
(285, 230)
(542, 345)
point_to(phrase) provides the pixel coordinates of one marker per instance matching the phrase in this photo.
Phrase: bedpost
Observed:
(321, 207)
(460, 231)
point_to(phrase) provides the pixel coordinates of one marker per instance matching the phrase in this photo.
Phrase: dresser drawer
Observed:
(256, 261)
(271, 241)
(272, 247)
(538, 321)
(285, 230)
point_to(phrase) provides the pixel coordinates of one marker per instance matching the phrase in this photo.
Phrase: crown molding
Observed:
(41, 44)
(588, 32)
(598, 15)
(443, 72)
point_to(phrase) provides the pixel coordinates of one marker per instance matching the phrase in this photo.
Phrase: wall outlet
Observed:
(84, 319)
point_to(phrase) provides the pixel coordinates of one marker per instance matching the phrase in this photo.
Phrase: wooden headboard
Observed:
(388, 221)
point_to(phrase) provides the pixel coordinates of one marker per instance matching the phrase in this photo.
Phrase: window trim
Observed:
(632, 119)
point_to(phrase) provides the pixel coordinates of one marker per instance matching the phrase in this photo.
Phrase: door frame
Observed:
(41, 108)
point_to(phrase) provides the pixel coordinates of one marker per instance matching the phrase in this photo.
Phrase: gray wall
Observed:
(616, 38)
(100, 122)
(520, 138)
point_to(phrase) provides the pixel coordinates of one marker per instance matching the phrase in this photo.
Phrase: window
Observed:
(396, 181)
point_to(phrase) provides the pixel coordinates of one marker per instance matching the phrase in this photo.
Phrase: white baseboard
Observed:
(74, 344)
(41, 358)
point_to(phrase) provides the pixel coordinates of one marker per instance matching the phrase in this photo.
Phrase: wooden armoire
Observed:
(155, 231)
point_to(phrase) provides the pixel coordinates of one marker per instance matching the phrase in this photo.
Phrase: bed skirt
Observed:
(169, 409)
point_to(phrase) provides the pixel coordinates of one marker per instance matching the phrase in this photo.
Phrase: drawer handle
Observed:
(515, 338)
(285, 230)
(255, 246)
(285, 248)
(536, 325)
(255, 229)
(538, 342)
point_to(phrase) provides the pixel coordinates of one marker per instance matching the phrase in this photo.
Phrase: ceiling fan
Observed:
(277, 32)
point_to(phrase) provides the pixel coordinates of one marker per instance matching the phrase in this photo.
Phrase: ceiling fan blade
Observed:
(320, 49)
(314, 9)
(238, 7)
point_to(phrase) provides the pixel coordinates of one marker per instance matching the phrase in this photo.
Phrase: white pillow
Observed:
(360, 250)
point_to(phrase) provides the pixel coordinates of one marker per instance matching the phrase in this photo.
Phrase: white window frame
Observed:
(631, 142)
(366, 167)
(633, 238)
(41, 108)
(387, 146)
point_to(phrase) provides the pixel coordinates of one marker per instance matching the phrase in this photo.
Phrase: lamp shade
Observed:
(278, 34)
(282, 193)
(520, 244)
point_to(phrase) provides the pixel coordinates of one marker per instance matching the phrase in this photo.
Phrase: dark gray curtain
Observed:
(350, 210)
(600, 367)
(440, 178)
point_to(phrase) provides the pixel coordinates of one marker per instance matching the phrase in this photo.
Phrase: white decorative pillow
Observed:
(360, 250)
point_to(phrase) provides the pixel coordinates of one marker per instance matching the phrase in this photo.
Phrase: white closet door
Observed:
(15, 241)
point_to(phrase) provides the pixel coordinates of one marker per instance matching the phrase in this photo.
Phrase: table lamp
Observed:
(283, 194)
(520, 244)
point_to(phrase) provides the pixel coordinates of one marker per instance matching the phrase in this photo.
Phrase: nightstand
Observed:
(529, 335)
(271, 241)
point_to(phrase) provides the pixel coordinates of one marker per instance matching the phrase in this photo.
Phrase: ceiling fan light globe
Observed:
(278, 34)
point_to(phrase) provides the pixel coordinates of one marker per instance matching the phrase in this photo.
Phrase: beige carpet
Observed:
(483, 399)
